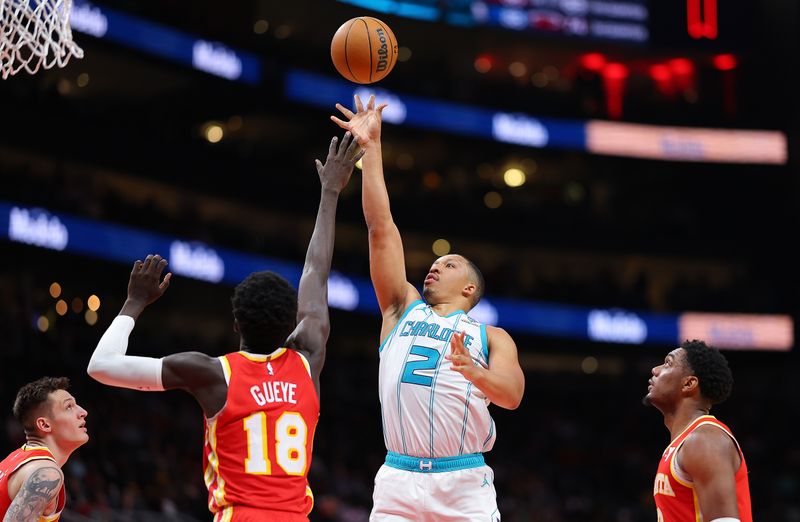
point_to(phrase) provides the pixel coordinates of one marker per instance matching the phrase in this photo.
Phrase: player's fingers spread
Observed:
(318, 163)
(371, 102)
(147, 261)
(341, 123)
(359, 105)
(162, 264)
(381, 107)
(137, 265)
(344, 110)
(332, 146)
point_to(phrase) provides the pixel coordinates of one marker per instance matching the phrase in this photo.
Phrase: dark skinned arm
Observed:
(195, 372)
(313, 321)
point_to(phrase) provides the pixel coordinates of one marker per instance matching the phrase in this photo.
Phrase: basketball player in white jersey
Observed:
(439, 368)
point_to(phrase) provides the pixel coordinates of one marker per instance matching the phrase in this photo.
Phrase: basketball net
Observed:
(35, 34)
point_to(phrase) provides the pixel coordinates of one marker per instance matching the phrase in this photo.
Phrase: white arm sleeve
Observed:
(111, 366)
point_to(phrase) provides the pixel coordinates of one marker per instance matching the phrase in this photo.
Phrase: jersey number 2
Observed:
(430, 358)
(291, 434)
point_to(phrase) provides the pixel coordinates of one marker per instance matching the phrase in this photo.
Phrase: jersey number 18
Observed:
(290, 435)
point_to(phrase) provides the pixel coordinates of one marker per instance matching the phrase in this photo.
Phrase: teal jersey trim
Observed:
(485, 342)
(391, 334)
(440, 465)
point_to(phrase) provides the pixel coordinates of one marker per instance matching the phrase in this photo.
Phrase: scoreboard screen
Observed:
(703, 24)
(626, 21)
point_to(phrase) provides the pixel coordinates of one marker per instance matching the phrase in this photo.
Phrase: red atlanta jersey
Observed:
(675, 498)
(258, 448)
(16, 460)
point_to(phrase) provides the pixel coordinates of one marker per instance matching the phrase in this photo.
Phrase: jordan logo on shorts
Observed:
(485, 482)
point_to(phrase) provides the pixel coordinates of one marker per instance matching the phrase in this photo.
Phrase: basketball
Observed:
(364, 50)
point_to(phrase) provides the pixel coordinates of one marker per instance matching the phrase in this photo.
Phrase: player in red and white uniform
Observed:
(261, 403)
(702, 475)
(31, 480)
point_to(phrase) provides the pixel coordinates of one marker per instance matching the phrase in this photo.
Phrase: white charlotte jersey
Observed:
(429, 410)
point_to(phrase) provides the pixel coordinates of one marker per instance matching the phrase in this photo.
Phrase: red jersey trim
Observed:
(310, 494)
(224, 515)
(212, 474)
(25, 447)
(305, 363)
(226, 368)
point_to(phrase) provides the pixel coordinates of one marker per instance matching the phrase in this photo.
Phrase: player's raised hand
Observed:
(460, 358)
(145, 284)
(365, 123)
(335, 172)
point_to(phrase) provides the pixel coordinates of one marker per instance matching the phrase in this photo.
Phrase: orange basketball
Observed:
(364, 50)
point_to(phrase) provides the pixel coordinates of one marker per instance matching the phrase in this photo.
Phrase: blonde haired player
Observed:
(439, 367)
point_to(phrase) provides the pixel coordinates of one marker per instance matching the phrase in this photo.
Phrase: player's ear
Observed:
(691, 384)
(469, 290)
(43, 425)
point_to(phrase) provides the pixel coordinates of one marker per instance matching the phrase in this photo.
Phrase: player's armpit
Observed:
(310, 338)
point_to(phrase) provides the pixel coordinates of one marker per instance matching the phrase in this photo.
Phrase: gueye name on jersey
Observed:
(432, 330)
(274, 391)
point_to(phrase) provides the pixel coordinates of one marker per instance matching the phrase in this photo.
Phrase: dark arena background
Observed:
(624, 172)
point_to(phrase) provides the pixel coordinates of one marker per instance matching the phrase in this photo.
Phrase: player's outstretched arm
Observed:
(40, 488)
(313, 322)
(503, 381)
(109, 363)
(195, 372)
(386, 256)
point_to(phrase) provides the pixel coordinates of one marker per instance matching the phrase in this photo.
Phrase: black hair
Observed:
(31, 397)
(711, 369)
(265, 306)
(480, 282)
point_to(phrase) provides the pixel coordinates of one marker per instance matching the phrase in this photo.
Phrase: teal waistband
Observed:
(423, 465)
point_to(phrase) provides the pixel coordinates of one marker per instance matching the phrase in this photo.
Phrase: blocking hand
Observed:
(338, 167)
(145, 285)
